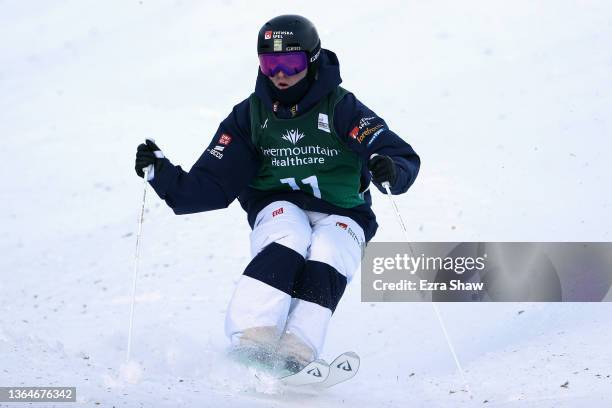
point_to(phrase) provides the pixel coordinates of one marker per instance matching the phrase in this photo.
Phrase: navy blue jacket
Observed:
(218, 177)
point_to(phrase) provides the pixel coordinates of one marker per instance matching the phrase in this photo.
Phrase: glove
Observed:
(148, 155)
(383, 169)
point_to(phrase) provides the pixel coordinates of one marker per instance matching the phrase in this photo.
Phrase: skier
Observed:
(299, 154)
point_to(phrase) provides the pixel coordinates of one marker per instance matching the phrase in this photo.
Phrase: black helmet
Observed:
(289, 33)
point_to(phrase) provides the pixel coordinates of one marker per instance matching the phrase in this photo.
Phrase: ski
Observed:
(315, 372)
(343, 368)
(319, 374)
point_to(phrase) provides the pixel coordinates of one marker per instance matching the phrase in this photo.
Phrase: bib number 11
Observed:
(312, 181)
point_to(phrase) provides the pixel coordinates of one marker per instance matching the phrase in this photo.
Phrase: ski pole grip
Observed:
(147, 172)
(385, 184)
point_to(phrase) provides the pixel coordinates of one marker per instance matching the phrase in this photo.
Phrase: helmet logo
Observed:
(293, 136)
(278, 44)
(268, 35)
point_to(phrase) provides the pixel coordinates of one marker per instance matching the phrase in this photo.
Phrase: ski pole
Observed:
(137, 259)
(387, 186)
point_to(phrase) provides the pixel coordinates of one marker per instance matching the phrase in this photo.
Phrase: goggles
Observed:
(290, 63)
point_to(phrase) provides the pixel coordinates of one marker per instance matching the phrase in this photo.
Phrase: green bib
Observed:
(305, 153)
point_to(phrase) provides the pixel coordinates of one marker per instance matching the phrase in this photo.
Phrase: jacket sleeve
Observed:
(223, 170)
(366, 133)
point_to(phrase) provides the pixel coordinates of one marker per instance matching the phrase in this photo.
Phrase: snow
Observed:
(508, 104)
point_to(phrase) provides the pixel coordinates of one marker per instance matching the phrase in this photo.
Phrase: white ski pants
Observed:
(301, 263)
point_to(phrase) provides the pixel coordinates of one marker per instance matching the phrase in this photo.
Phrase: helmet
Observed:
(289, 33)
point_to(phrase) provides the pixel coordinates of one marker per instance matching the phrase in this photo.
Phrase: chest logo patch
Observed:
(293, 136)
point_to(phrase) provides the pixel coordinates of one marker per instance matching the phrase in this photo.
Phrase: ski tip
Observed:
(343, 368)
(314, 372)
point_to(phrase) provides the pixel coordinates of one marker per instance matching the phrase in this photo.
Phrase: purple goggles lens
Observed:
(290, 63)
